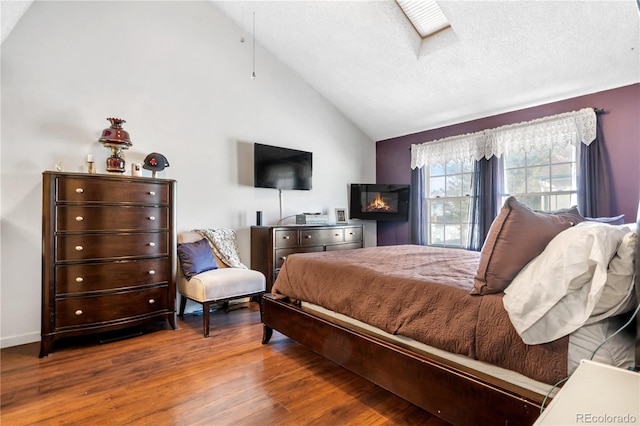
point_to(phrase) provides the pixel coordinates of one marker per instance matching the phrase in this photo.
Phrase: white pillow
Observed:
(557, 292)
(616, 297)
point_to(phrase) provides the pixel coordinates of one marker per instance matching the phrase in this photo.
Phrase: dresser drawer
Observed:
(353, 234)
(311, 237)
(99, 246)
(111, 218)
(281, 254)
(348, 246)
(78, 189)
(90, 277)
(285, 238)
(110, 307)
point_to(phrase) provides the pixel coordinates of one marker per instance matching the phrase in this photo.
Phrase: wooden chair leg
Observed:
(183, 304)
(206, 306)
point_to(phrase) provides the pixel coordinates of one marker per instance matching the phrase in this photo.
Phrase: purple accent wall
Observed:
(620, 126)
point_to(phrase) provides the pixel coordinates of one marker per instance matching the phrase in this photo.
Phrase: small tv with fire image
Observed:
(379, 202)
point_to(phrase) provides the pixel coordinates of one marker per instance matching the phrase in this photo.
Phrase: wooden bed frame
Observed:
(457, 394)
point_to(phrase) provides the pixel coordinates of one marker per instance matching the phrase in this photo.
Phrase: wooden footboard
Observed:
(453, 393)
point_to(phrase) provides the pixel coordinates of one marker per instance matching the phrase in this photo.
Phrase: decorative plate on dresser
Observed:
(108, 254)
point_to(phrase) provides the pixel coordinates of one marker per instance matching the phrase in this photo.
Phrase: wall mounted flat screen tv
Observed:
(379, 202)
(281, 168)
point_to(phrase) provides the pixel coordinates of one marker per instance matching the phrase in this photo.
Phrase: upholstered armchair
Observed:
(207, 279)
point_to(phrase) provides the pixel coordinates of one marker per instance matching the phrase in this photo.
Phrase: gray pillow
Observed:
(615, 220)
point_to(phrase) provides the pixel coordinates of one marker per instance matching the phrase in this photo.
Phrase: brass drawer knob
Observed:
(79, 190)
(152, 301)
(152, 193)
(79, 312)
(152, 244)
(307, 236)
(79, 218)
(152, 272)
(79, 248)
(152, 218)
(286, 237)
(79, 279)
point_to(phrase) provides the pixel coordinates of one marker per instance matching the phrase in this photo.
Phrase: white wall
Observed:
(180, 76)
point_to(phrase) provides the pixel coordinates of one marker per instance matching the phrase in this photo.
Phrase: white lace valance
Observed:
(560, 130)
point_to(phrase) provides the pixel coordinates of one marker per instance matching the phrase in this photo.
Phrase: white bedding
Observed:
(619, 351)
(584, 274)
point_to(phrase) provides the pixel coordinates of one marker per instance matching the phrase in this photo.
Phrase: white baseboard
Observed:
(7, 342)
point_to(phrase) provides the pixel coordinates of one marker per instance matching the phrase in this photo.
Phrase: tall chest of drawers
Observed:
(270, 245)
(108, 254)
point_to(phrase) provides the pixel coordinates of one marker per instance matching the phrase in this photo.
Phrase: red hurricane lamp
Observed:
(116, 139)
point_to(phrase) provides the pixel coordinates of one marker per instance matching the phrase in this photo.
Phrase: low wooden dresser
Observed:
(270, 245)
(108, 254)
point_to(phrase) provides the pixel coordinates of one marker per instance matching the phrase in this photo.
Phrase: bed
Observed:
(450, 331)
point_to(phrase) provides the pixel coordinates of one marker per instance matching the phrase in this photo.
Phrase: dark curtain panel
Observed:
(417, 213)
(593, 178)
(486, 191)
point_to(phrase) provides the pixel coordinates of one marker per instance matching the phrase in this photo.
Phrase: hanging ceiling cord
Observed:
(253, 73)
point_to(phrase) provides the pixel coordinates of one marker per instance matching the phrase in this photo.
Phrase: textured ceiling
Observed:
(498, 56)
(11, 12)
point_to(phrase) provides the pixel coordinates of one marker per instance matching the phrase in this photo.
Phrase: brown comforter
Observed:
(422, 293)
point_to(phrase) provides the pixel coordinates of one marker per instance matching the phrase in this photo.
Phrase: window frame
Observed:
(467, 196)
(464, 196)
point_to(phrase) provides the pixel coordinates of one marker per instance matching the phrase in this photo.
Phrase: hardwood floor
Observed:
(177, 377)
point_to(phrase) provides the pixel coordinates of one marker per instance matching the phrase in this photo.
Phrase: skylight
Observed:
(425, 16)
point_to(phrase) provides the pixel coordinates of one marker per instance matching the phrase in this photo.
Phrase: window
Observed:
(538, 166)
(543, 180)
(448, 201)
(425, 15)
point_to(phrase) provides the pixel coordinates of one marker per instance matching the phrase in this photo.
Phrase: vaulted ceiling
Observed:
(497, 56)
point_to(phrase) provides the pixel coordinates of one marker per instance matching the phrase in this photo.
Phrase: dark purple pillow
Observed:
(615, 220)
(196, 258)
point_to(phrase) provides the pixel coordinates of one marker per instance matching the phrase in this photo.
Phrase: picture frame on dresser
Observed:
(108, 254)
(341, 216)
